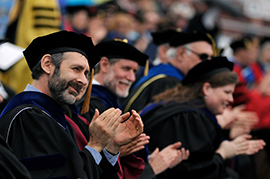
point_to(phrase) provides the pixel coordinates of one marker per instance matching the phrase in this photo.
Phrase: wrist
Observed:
(221, 153)
(112, 148)
(95, 146)
(113, 154)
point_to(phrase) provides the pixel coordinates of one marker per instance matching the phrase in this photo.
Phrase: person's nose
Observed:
(230, 99)
(131, 76)
(83, 80)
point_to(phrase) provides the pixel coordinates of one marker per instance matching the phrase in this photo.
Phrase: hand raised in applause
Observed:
(245, 121)
(135, 145)
(102, 128)
(241, 145)
(168, 157)
(131, 126)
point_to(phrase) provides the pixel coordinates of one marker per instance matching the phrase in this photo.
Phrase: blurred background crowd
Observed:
(225, 20)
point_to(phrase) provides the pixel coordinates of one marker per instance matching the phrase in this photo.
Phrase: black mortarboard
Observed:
(62, 41)
(121, 49)
(76, 8)
(244, 43)
(165, 36)
(189, 37)
(115, 49)
(206, 69)
(109, 6)
(3, 40)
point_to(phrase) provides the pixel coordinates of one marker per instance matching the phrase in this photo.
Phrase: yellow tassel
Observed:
(179, 30)
(146, 68)
(86, 103)
(124, 40)
(214, 47)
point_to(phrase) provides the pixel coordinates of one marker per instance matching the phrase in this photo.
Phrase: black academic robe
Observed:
(11, 167)
(34, 126)
(198, 131)
(159, 79)
(102, 99)
(81, 129)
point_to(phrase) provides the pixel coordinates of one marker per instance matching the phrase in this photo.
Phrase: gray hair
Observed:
(172, 52)
(112, 61)
(56, 59)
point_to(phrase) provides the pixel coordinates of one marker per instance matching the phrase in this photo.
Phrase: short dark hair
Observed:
(56, 59)
(112, 61)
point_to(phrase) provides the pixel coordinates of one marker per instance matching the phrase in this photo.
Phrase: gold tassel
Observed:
(214, 47)
(86, 103)
(124, 40)
(146, 68)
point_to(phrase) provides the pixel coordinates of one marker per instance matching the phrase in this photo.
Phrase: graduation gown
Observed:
(34, 126)
(102, 99)
(159, 78)
(198, 131)
(80, 126)
(10, 166)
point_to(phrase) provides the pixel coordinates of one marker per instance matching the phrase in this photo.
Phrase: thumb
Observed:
(95, 115)
(124, 117)
(247, 136)
(156, 151)
(240, 107)
(176, 145)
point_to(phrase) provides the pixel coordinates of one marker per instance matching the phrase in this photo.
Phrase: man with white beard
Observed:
(113, 77)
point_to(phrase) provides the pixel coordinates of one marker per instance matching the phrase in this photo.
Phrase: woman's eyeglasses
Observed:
(202, 56)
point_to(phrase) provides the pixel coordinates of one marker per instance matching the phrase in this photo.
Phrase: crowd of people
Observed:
(131, 90)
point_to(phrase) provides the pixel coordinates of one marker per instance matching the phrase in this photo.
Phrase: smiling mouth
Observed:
(73, 90)
(76, 88)
(127, 84)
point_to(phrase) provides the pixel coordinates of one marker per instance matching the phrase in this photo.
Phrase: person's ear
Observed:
(207, 88)
(104, 65)
(180, 53)
(163, 50)
(46, 64)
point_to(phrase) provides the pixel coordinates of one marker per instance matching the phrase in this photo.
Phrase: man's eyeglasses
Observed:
(202, 56)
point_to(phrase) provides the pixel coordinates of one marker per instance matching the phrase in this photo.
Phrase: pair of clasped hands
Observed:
(124, 133)
(112, 129)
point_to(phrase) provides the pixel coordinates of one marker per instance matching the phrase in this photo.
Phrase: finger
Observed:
(115, 119)
(156, 151)
(176, 145)
(106, 113)
(137, 149)
(247, 136)
(134, 112)
(112, 119)
(96, 114)
(125, 117)
(142, 138)
(137, 122)
(136, 115)
(186, 154)
(139, 127)
(141, 143)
